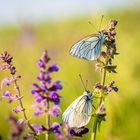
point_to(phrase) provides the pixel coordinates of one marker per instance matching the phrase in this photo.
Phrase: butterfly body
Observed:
(78, 113)
(89, 47)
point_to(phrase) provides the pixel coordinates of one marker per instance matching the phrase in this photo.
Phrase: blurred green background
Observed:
(25, 40)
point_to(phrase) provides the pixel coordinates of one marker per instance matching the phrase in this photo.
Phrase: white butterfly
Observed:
(78, 114)
(89, 48)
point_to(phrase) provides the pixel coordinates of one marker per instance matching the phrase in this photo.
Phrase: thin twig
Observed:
(22, 107)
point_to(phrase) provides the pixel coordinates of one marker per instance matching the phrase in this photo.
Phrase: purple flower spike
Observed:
(53, 68)
(45, 92)
(54, 110)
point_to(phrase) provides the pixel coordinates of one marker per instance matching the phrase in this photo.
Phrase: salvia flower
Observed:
(38, 128)
(56, 129)
(53, 68)
(16, 128)
(55, 97)
(46, 91)
(7, 63)
(79, 132)
(10, 95)
(18, 109)
(38, 111)
(55, 110)
(56, 86)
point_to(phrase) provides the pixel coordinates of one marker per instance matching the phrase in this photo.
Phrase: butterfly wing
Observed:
(88, 48)
(78, 113)
(69, 110)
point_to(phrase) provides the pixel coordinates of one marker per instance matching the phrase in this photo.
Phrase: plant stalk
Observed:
(103, 78)
(47, 121)
(23, 109)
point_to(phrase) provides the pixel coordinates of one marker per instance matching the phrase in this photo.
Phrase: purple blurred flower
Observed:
(9, 95)
(37, 128)
(38, 98)
(53, 68)
(43, 103)
(38, 111)
(6, 81)
(59, 135)
(54, 110)
(17, 109)
(16, 128)
(6, 94)
(27, 137)
(79, 132)
(21, 123)
(4, 66)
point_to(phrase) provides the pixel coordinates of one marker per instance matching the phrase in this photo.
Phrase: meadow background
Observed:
(26, 39)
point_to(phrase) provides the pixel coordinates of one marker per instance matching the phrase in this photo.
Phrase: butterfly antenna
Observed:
(92, 25)
(82, 82)
(101, 22)
(86, 83)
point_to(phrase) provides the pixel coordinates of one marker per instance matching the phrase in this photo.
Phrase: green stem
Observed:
(103, 78)
(93, 136)
(47, 121)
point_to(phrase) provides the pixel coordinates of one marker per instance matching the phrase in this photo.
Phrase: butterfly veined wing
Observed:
(88, 48)
(78, 113)
(80, 116)
(69, 110)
